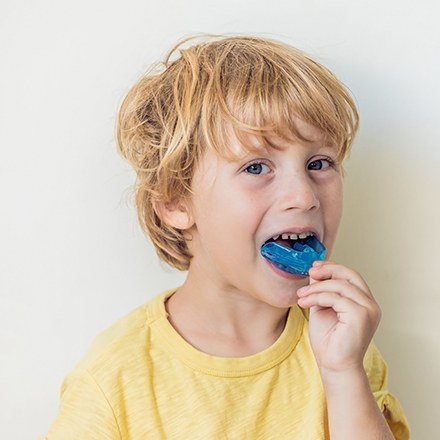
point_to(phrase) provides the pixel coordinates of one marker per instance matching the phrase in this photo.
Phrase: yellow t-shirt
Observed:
(142, 380)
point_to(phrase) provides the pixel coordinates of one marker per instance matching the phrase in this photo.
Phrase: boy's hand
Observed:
(343, 317)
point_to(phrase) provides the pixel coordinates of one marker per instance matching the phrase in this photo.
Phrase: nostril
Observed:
(303, 197)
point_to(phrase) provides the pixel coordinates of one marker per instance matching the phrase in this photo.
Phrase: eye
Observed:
(257, 168)
(320, 164)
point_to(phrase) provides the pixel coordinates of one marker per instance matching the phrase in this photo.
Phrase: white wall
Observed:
(72, 258)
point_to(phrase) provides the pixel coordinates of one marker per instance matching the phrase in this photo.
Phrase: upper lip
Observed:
(295, 230)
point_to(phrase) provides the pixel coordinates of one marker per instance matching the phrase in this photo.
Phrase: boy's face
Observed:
(239, 205)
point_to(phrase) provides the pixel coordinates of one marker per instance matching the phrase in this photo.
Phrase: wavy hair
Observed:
(183, 106)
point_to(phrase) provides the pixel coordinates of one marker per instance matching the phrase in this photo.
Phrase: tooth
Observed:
(293, 237)
(302, 235)
(275, 238)
(285, 236)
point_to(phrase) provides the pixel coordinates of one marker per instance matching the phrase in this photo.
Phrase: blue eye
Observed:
(258, 168)
(320, 164)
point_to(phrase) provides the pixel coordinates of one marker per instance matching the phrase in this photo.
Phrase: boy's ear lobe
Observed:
(175, 214)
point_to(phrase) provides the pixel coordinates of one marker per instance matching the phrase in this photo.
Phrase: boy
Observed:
(236, 142)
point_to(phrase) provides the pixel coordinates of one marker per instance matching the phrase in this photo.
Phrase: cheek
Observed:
(217, 217)
(333, 205)
(333, 196)
(227, 222)
(337, 206)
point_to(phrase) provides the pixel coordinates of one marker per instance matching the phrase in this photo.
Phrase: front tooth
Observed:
(303, 235)
(293, 237)
(285, 236)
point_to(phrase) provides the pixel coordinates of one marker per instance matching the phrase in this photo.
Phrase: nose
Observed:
(299, 192)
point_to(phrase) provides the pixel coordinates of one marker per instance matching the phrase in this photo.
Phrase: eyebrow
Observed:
(265, 144)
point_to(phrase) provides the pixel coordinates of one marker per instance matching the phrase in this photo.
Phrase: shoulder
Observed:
(377, 372)
(96, 394)
(122, 343)
(375, 367)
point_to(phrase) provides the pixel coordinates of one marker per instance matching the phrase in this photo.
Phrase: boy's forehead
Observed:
(242, 144)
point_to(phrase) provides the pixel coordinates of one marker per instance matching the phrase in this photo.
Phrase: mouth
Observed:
(294, 253)
(288, 239)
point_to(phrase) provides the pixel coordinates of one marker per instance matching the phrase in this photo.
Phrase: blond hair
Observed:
(181, 108)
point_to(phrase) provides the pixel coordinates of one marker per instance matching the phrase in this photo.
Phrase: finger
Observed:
(342, 287)
(328, 270)
(338, 303)
(347, 310)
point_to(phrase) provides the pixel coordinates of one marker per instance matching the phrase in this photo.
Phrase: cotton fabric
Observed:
(142, 380)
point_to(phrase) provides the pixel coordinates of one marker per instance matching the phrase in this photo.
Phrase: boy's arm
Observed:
(352, 408)
(342, 321)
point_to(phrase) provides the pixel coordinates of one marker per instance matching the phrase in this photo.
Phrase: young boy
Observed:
(238, 141)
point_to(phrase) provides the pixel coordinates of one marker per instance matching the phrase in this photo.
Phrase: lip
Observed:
(295, 230)
(283, 274)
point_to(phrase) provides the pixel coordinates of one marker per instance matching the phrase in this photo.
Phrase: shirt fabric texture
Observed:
(142, 380)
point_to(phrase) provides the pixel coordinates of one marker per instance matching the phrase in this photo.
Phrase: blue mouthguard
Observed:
(296, 260)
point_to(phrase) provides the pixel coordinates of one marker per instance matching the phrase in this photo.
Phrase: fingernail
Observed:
(317, 263)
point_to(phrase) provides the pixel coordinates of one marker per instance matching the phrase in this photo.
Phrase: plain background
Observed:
(72, 256)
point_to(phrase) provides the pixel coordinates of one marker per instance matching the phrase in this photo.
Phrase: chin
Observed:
(285, 301)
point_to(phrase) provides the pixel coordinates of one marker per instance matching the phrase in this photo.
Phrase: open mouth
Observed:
(289, 240)
(294, 253)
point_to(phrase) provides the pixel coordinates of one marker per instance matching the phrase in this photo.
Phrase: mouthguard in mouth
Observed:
(296, 260)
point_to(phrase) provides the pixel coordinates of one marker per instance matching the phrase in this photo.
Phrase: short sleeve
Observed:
(84, 413)
(377, 372)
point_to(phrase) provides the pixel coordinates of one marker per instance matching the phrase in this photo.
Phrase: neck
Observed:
(222, 321)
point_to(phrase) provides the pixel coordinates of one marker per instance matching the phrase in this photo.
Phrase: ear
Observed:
(175, 214)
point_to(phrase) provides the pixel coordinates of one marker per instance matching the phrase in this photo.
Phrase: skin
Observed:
(234, 304)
